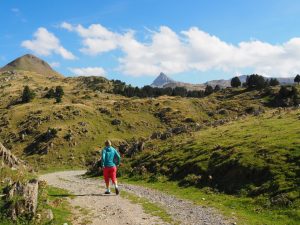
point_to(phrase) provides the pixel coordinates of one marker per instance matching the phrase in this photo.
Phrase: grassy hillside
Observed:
(252, 156)
(231, 142)
(84, 118)
(31, 63)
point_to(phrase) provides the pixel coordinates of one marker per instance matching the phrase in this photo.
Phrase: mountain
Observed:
(188, 86)
(161, 80)
(226, 83)
(31, 63)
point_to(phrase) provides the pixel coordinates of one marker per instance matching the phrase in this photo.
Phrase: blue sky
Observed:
(192, 40)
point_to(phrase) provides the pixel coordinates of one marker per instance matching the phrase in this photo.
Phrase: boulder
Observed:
(156, 135)
(8, 159)
(22, 199)
(116, 122)
(49, 215)
(166, 135)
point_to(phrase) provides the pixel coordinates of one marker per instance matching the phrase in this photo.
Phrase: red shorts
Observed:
(110, 173)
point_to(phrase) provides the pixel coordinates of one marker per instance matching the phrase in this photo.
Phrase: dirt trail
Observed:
(92, 207)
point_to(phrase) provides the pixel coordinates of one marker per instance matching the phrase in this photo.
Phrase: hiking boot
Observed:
(107, 192)
(117, 191)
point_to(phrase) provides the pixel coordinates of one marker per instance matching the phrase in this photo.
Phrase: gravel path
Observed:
(91, 207)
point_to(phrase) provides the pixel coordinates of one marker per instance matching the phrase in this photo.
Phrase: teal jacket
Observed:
(110, 157)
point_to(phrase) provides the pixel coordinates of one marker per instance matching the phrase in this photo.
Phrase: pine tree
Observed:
(27, 95)
(235, 82)
(297, 79)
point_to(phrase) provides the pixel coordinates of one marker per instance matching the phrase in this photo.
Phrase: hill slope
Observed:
(30, 63)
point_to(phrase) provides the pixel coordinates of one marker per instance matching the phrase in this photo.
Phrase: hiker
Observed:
(110, 160)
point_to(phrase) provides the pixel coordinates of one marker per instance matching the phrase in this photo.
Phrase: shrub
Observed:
(256, 81)
(235, 82)
(273, 82)
(297, 79)
(208, 90)
(27, 95)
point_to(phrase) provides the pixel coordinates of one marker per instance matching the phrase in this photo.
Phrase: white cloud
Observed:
(46, 43)
(66, 26)
(88, 71)
(55, 64)
(189, 50)
(96, 38)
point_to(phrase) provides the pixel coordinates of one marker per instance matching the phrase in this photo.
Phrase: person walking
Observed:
(110, 160)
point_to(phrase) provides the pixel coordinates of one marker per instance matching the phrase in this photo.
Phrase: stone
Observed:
(28, 199)
(49, 215)
(8, 159)
(116, 122)
(156, 135)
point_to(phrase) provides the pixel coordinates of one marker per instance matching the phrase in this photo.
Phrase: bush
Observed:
(273, 82)
(208, 90)
(256, 81)
(235, 82)
(27, 95)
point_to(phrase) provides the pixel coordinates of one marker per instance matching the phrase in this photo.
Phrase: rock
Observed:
(123, 147)
(156, 135)
(104, 111)
(179, 130)
(27, 195)
(116, 122)
(49, 215)
(166, 135)
(83, 124)
(189, 120)
(8, 159)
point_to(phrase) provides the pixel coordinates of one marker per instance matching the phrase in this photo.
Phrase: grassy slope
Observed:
(137, 116)
(255, 149)
(234, 154)
(257, 155)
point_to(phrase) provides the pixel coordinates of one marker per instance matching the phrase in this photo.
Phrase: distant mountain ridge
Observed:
(31, 63)
(164, 81)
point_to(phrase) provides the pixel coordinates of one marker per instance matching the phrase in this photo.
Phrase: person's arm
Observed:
(118, 157)
(103, 157)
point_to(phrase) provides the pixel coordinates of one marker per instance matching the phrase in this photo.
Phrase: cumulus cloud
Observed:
(46, 43)
(96, 38)
(189, 50)
(88, 71)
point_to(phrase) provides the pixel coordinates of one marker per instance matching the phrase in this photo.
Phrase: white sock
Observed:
(116, 186)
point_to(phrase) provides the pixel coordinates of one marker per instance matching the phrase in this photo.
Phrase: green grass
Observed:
(57, 203)
(251, 164)
(243, 210)
(251, 156)
(149, 207)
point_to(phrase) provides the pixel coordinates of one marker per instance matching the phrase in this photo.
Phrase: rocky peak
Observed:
(161, 80)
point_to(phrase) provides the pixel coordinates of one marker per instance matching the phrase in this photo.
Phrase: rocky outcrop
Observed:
(8, 159)
(22, 199)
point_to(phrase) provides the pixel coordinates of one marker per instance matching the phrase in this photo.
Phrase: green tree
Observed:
(217, 88)
(256, 81)
(50, 93)
(297, 79)
(208, 90)
(284, 92)
(59, 91)
(273, 82)
(235, 82)
(27, 95)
